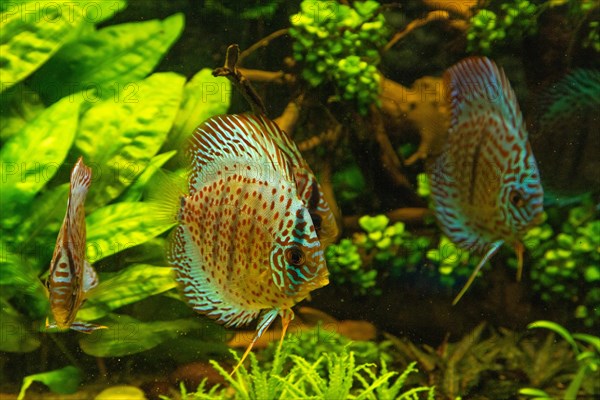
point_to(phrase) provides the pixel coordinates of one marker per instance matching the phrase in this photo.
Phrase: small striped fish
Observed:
(250, 234)
(485, 184)
(71, 276)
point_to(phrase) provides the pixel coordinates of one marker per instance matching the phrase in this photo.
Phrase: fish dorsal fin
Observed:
(308, 188)
(226, 139)
(81, 177)
(477, 84)
(285, 143)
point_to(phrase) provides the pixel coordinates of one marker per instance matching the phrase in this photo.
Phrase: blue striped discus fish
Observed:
(71, 276)
(249, 238)
(485, 184)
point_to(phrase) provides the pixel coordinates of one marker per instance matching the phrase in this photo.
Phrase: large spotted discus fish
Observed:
(249, 240)
(71, 275)
(485, 184)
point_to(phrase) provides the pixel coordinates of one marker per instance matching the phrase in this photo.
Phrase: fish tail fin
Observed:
(493, 249)
(164, 193)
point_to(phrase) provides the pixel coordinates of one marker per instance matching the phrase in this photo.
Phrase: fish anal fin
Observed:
(263, 324)
(491, 251)
(86, 327)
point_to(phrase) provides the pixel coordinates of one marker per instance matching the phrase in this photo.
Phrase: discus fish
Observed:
(250, 234)
(485, 184)
(71, 275)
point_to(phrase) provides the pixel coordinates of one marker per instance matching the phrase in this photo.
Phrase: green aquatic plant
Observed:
(311, 344)
(88, 91)
(498, 363)
(339, 43)
(381, 249)
(515, 19)
(566, 259)
(500, 23)
(452, 262)
(587, 353)
(330, 376)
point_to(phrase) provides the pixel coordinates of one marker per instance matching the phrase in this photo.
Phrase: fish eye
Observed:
(516, 198)
(295, 256)
(317, 221)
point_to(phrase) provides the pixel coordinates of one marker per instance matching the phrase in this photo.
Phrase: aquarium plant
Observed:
(331, 375)
(71, 89)
(586, 348)
(380, 249)
(565, 254)
(338, 43)
(501, 23)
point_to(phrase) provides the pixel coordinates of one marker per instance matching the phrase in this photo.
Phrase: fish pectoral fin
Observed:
(90, 277)
(492, 250)
(86, 327)
(519, 249)
(264, 323)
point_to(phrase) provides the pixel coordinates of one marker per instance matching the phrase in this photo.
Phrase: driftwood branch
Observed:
(230, 71)
(278, 77)
(389, 159)
(417, 23)
(329, 136)
(264, 42)
(288, 119)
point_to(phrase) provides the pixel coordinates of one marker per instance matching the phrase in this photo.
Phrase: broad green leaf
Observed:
(120, 138)
(557, 328)
(132, 284)
(126, 335)
(16, 272)
(19, 106)
(39, 231)
(103, 63)
(15, 335)
(95, 11)
(203, 97)
(32, 157)
(64, 381)
(134, 192)
(590, 339)
(28, 39)
(117, 227)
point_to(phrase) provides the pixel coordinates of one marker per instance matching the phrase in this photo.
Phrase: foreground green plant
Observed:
(587, 350)
(330, 376)
(491, 363)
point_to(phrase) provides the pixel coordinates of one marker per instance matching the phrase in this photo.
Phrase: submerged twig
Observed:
(288, 119)
(329, 136)
(389, 159)
(257, 75)
(230, 71)
(417, 23)
(262, 43)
